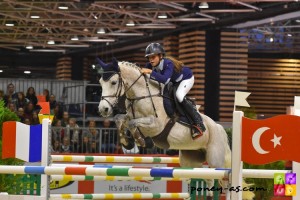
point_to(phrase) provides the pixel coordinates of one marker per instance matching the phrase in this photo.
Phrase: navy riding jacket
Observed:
(166, 73)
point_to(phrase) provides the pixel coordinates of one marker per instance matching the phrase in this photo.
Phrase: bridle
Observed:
(119, 91)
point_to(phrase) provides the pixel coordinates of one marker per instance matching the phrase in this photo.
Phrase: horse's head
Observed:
(112, 87)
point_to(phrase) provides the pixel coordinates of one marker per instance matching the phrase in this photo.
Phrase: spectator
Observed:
(73, 133)
(46, 94)
(35, 118)
(94, 147)
(30, 95)
(11, 95)
(85, 147)
(57, 112)
(66, 147)
(109, 137)
(27, 121)
(58, 131)
(65, 119)
(21, 101)
(28, 111)
(52, 102)
(55, 147)
(12, 107)
(20, 114)
(93, 135)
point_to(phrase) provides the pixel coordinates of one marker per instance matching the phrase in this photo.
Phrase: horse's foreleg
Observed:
(144, 122)
(148, 123)
(121, 121)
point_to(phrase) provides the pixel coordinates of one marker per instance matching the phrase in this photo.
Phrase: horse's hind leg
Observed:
(195, 159)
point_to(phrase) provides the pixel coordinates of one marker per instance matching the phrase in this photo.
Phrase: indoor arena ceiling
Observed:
(84, 25)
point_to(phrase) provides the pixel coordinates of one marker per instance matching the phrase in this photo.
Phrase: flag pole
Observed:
(236, 162)
(46, 138)
(296, 165)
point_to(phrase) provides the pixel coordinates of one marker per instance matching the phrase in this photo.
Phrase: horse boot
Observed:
(198, 126)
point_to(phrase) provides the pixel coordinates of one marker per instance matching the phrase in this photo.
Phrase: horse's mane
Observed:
(129, 64)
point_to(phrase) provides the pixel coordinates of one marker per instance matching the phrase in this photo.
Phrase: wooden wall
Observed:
(273, 84)
(233, 70)
(64, 68)
(192, 53)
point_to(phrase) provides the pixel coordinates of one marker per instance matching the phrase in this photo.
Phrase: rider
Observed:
(167, 69)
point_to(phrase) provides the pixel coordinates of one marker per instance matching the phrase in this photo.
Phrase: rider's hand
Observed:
(146, 71)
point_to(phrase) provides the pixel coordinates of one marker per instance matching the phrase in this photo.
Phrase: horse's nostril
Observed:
(106, 109)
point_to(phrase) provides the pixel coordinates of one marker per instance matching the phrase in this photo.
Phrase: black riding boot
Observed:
(191, 111)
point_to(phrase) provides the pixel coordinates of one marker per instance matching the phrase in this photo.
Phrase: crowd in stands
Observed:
(67, 135)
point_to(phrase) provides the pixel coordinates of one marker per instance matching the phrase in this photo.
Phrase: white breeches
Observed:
(183, 88)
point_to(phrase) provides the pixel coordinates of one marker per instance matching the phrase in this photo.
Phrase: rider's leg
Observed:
(183, 88)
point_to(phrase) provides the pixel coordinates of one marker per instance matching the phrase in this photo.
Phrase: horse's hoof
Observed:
(209, 198)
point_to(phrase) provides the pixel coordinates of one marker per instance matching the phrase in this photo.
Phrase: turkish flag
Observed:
(270, 140)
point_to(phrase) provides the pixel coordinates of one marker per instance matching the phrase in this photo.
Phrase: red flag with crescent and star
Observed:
(269, 140)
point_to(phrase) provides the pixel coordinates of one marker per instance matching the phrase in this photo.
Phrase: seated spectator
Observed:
(20, 114)
(109, 137)
(66, 147)
(57, 130)
(28, 111)
(94, 147)
(35, 118)
(21, 101)
(46, 94)
(72, 131)
(55, 147)
(12, 107)
(27, 121)
(93, 135)
(11, 95)
(30, 95)
(58, 113)
(65, 119)
(85, 146)
(52, 103)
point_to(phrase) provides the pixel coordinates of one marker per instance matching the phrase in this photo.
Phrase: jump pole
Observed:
(296, 165)
(46, 137)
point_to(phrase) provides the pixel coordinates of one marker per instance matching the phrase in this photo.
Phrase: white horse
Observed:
(145, 112)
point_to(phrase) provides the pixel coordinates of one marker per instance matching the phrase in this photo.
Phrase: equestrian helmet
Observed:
(154, 48)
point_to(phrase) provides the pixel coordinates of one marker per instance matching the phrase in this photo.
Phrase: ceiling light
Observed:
(271, 39)
(63, 7)
(51, 42)
(130, 23)
(1, 70)
(93, 66)
(95, 39)
(9, 24)
(48, 50)
(289, 35)
(297, 20)
(29, 47)
(203, 5)
(27, 72)
(34, 17)
(86, 30)
(101, 31)
(162, 16)
(74, 38)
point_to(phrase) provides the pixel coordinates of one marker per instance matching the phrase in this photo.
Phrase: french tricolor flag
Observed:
(21, 141)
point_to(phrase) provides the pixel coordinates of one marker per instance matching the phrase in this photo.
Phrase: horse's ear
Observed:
(115, 64)
(102, 64)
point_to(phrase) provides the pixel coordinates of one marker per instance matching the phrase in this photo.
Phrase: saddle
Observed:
(173, 107)
(175, 111)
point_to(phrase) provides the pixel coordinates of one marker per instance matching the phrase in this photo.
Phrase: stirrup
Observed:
(197, 132)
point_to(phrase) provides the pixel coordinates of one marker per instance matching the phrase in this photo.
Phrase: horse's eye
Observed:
(114, 82)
